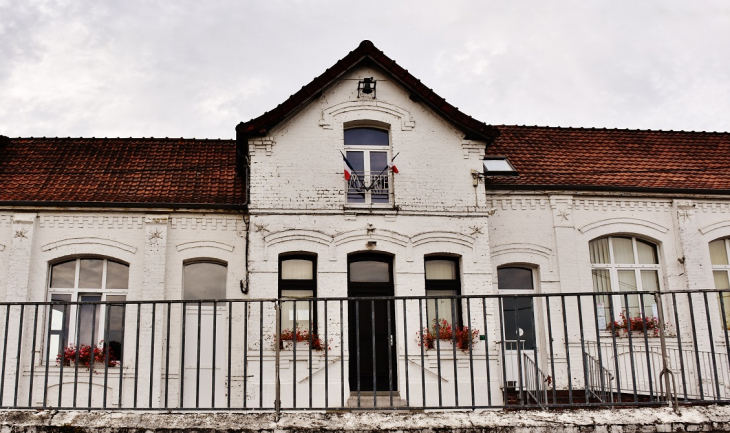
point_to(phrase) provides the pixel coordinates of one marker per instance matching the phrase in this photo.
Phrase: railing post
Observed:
(277, 342)
(666, 371)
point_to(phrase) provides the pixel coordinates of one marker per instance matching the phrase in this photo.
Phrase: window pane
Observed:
(369, 271)
(514, 279)
(117, 275)
(649, 281)
(725, 299)
(602, 284)
(63, 275)
(497, 165)
(355, 187)
(357, 160)
(59, 325)
(440, 270)
(304, 316)
(718, 252)
(297, 269)
(623, 251)
(627, 281)
(379, 177)
(646, 252)
(599, 251)
(113, 339)
(378, 161)
(366, 137)
(601, 280)
(204, 281)
(721, 280)
(446, 307)
(89, 320)
(90, 273)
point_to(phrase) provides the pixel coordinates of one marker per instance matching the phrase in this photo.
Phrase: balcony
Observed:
(417, 353)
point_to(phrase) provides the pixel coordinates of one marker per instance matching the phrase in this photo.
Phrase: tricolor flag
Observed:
(349, 171)
(392, 166)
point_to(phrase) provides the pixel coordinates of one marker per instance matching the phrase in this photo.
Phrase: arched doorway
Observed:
(372, 327)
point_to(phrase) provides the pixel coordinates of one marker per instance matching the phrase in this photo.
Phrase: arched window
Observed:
(442, 279)
(368, 157)
(624, 264)
(204, 280)
(719, 253)
(297, 279)
(88, 280)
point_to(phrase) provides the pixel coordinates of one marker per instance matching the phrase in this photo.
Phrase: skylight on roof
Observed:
(498, 166)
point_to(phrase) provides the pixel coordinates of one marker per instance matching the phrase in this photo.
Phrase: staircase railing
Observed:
(600, 380)
(537, 383)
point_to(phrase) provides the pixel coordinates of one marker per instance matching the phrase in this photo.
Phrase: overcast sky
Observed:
(197, 68)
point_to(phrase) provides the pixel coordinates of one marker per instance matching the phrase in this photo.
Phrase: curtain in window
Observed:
(599, 251)
(718, 252)
(646, 252)
(440, 270)
(623, 251)
(296, 269)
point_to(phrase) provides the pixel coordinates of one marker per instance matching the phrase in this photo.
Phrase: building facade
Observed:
(365, 244)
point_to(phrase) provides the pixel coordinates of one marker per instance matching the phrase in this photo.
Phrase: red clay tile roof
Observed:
(601, 159)
(120, 170)
(366, 52)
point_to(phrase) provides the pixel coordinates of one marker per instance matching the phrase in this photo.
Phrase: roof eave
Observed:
(261, 126)
(605, 188)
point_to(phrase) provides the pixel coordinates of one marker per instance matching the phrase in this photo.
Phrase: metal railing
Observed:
(373, 186)
(600, 381)
(365, 353)
(537, 383)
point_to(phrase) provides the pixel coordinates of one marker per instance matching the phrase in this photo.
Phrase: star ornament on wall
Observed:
(154, 236)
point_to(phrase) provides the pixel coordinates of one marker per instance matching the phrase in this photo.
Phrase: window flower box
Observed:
(446, 334)
(86, 355)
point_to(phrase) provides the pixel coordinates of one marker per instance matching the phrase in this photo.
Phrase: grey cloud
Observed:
(185, 68)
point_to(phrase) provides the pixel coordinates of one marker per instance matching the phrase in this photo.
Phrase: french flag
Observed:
(392, 167)
(349, 171)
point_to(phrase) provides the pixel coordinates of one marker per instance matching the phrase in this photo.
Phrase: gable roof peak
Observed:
(366, 51)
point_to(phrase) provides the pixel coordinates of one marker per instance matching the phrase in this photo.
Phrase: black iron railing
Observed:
(468, 352)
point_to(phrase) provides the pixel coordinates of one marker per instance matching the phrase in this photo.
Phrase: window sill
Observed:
(388, 210)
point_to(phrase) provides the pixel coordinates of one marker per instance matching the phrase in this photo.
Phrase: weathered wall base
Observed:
(708, 418)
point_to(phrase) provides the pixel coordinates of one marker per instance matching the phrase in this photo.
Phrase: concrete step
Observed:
(381, 400)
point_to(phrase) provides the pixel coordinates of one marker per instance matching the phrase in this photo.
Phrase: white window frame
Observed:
(367, 177)
(76, 292)
(726, 269)
(613, 269)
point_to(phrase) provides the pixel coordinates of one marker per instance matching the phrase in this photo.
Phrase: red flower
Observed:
(301, 336)
(85, 355)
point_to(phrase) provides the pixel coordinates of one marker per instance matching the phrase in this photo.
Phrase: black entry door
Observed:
(372, 324)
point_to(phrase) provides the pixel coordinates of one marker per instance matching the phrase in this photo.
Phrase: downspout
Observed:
(243, 165)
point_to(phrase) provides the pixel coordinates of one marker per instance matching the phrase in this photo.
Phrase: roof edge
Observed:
(607, 188)
(131, 205)
(367, 51)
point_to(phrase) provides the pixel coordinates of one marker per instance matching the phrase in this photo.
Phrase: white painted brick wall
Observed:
(299, 165)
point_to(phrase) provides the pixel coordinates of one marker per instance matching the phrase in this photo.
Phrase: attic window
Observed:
(498, 166)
